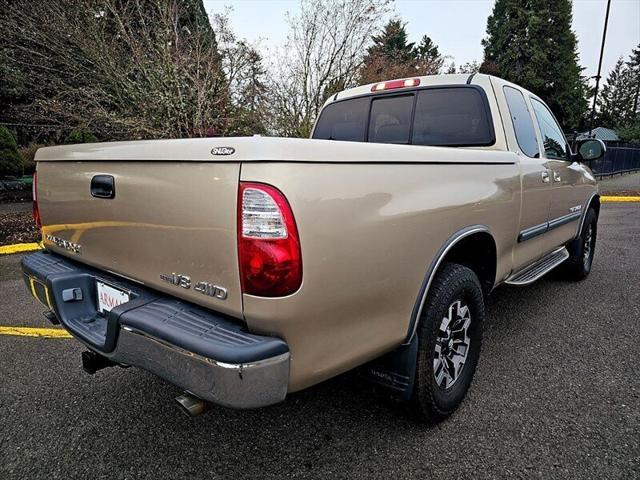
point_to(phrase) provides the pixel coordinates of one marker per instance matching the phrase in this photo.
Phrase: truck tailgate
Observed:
(167, 219)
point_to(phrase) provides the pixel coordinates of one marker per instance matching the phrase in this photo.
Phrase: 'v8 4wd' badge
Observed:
(211, 290)
(205, 288)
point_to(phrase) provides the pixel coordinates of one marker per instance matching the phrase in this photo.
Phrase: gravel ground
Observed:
(628, 184)
(556, 395)
(18, 227)
(19, 207)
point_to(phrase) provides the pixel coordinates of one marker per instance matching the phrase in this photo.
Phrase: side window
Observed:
(555, 145)
(522, 122)
(391, 119)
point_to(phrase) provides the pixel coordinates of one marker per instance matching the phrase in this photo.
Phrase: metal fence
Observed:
(620, 158)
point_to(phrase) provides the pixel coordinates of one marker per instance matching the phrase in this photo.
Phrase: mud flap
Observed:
(396, 370)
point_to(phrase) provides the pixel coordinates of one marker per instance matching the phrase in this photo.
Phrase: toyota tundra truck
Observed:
(243, 269)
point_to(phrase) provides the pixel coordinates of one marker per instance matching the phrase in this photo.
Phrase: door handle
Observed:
(556, 177)
(103, 186)
(545, 177)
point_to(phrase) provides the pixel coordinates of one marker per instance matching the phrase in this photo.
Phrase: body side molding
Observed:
(433, 267)
(564, 219)
(531, 232)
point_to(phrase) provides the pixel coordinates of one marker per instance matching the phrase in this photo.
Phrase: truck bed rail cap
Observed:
(268, 149)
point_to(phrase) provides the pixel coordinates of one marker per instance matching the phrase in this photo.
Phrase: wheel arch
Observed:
(594, 202)
(474, 247)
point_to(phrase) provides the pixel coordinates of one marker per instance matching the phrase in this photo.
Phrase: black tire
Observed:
(434, 400)
(582, 249)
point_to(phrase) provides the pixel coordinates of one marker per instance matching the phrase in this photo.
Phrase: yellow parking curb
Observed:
(19, 247)
(35, 332)
(620, 198)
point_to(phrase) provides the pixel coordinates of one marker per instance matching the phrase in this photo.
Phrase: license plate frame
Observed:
(109, 296)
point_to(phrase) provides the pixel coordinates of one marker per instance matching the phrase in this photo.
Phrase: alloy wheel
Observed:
(452, 344)
(588, 246)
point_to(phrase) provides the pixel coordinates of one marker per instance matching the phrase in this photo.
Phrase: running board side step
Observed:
(536, 270)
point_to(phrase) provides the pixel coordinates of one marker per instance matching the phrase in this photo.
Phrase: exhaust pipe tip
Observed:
(51, 316)
(192, 405)
(92, 362)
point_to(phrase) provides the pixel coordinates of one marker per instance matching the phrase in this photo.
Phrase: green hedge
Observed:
(10, 159)
(80, 135)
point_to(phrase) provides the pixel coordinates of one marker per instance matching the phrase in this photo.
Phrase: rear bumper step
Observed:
(205, 353)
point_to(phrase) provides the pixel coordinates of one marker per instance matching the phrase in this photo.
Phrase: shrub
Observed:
(28, 157)
(10, 160)
(80, 135)
(630, 132)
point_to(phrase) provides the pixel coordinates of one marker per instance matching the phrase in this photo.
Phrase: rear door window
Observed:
(344, 121)
(391, 119)
(453, 117)
(522, 122)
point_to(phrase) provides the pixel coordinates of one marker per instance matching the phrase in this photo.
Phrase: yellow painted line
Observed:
(619, 198)
(35, 332)
(19, 247)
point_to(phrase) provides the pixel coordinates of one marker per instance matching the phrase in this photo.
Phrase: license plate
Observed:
(110, 297)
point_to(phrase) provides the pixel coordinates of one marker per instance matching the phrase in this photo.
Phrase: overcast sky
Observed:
(457, 26)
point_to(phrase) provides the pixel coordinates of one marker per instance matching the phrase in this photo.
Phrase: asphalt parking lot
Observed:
(556, 395)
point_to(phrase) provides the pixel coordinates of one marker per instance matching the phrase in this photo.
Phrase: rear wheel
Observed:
(449, 341)
(582, 249)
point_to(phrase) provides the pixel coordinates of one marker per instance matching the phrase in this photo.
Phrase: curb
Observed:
(619, 198)
(35, 332)
(19, 247)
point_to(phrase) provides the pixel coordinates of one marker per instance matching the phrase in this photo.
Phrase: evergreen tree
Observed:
(390, 56)
(392, 43)
(393, 56)
(615, 101)
(531, 43)
(427, 49)
(629, 131)
(429, 61)
(634, 66)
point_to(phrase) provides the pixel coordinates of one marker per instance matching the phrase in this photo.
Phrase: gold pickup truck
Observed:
(242, 269)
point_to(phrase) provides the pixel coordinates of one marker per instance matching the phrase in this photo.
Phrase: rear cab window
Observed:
(344, 121)
(390, 119)
(437, 116)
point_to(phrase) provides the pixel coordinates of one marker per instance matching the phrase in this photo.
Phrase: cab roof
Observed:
(425, 81)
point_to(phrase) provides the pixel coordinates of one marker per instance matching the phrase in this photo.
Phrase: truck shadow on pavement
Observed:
(335, 409)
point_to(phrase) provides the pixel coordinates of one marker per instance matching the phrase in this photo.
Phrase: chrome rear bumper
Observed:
(209, 355)
(236, 385)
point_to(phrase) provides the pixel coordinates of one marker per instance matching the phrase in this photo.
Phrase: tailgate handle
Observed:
(103, 186)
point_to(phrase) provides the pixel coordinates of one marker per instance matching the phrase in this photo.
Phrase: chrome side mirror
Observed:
(589, 149)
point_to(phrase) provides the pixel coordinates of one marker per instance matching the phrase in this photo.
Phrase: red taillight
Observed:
(268, 242)
(409, 82)
(34, 190)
